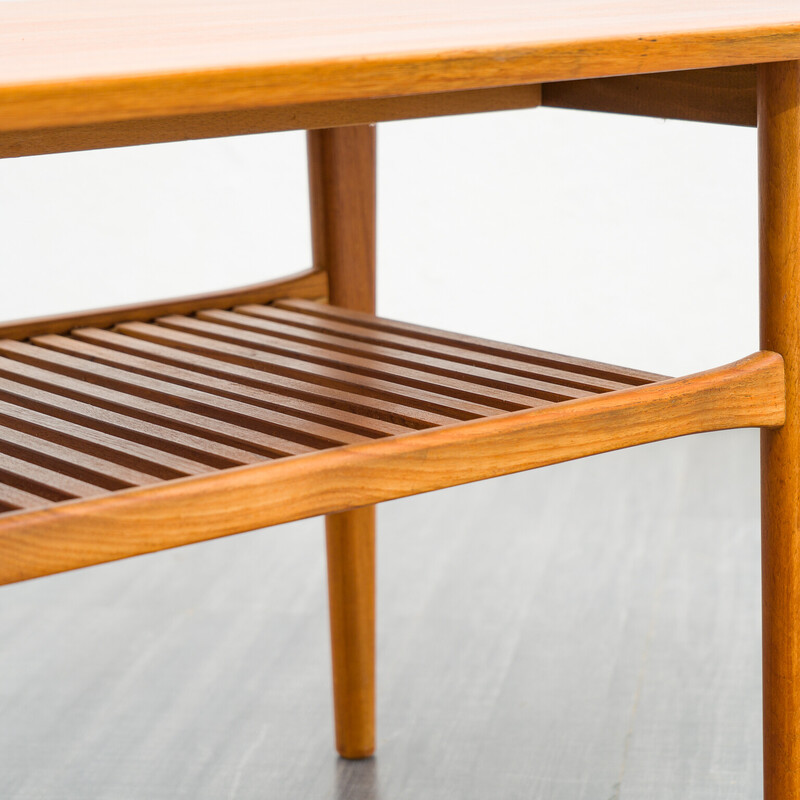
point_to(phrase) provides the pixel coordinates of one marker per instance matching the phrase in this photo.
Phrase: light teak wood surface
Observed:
(306, 116)
(723, 95)
(779, 185)
(342, 177)
(89, 62)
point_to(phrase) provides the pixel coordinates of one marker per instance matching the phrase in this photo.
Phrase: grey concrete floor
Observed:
(590, 630)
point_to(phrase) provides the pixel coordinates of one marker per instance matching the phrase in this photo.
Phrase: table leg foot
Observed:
(351, 587)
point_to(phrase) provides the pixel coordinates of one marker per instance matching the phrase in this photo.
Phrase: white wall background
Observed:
(627, 240)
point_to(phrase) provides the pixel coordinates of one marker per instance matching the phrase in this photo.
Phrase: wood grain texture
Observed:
(378, 414)
(308, 116)
(476, 386)
(62, 404)
(343, 349)
(110, 368)
(68, 461)
(342, 171)
(312, 284)
(342, 191)
(135, 375)
(44, 373)
(748, 393)
(13, 498)
(779, 186)
(725, 95)
(88, 62)
(98, 442)
(190, 334)
(346, 334)
(54, 484)
(350, 545)
(206, 379)
(472, 344)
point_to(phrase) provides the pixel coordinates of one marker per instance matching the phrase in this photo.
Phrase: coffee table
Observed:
(134, 429)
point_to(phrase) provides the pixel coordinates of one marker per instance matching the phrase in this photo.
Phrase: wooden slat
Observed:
(472, 374)
(358, 404)
(94, 415)
(475, 376)
(525, 354)
(121, 364)
(65, 460)
(162, 414)
(50, 483)
(209, 411)
(81, 62)
(408, 344)
(103, 351)
(18, 500)
(406, 376)
(748, 393)
(312, 283)
(130, 453)
(324, 377)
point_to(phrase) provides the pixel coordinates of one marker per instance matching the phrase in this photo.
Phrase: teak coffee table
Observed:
(134, 429)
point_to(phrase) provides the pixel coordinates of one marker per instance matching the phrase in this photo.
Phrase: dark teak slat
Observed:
(227, 416)
(523, 382)
(582, 366)
(130, 453)
(186, 381)
(402, 376)
(13, 499)
(171, 444)
(316, 420)
(38, 479)
(141, 340)
(323, 377)
(77, 463)
(408, 344)
(130, 404)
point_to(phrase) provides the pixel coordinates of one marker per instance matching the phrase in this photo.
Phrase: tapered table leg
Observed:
(342, 181)
(779, 187)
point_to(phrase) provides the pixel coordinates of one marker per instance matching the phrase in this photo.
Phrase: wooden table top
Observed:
(69, 62)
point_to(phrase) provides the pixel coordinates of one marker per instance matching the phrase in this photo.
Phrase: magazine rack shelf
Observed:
(142, 435)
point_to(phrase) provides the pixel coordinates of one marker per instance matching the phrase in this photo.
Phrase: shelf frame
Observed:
(129, 522)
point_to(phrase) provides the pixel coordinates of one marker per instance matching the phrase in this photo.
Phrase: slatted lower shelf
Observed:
(124, 432)
(102, 410)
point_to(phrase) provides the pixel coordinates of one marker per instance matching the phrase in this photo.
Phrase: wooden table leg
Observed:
(342, 182)
(779, 183)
